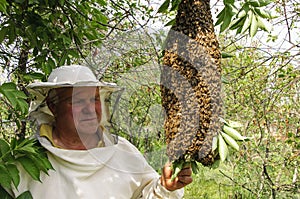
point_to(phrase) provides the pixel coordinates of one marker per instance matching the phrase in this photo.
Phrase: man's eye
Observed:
(78, 102)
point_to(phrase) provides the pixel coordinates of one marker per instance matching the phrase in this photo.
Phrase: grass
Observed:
(212, 184)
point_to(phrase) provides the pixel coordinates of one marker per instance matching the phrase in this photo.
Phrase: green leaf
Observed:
(214, 145)
(26, 142)
(239, 18)
(242, 12)
(61, 2)
(177, 165)
(195, 167)
(3, 33)
(254, 3)
(30, 167)
(263, 24)
(224, 80)
(247, 22)
(33, 1)
(175, 4)
(14, 174)
(4, 194)
(63, 59)
(3, 5)
(34, 76)
(220, 17)
(4, 148)
(13, 143)
(164, 7)
(254, 26)
(226, 55)
(66, 40)
(102, 2)
(51, 62)
(223, 149)
(25, 195)
(19, 1)
(28, 149)
(14, 96)
(228, 1)
(102, 18)
(23, 106)
(259, 3)
(226, 17)
(239, 30)
(40, 163)
(230, 141)
(35, 154)
(46, 68)
(44, 160)
(74, 53)
(5, 178)
(233, 133)
(237, 23)
(31, 34)
(12, 33)
(171, 23)
(264, 13)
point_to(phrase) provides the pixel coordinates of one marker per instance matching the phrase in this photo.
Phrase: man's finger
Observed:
(185, 172)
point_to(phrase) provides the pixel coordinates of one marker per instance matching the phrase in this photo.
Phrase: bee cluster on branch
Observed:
(191, 89)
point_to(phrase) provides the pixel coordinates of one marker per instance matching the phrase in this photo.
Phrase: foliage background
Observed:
(123, 42)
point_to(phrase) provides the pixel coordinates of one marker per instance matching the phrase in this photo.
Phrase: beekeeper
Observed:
(88, 161)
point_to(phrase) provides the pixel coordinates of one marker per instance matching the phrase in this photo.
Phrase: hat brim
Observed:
(49, 85)
(44, 87)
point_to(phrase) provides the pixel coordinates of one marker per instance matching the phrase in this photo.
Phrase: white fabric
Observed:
(113, 172)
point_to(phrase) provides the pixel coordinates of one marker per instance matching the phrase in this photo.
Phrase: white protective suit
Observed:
(117, 171)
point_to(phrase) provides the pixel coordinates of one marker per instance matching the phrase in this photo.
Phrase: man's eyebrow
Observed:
(76, 92)
(63, 99)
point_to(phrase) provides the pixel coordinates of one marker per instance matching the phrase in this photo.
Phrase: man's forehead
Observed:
(74, 91)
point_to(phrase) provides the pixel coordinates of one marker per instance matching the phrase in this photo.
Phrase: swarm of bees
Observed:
(191, 84)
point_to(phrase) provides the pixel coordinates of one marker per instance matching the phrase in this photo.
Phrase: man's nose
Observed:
(89, 107)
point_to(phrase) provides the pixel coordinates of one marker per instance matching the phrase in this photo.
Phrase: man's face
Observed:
(78, 109)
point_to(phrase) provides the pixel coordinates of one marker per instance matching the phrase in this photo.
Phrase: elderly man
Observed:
(88, 161)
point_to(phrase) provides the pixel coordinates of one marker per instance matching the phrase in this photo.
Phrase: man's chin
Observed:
(88, 128)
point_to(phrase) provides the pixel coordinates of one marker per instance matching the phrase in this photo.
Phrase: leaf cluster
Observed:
(251, 17)
(26, 153)
(52, 32)
(16, 98)
(167, 7)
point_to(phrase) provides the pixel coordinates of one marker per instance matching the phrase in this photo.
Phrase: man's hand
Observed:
(183, 178)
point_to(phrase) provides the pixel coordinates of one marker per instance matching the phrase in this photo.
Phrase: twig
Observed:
(265, 172)
(235, 182)
(286, 21)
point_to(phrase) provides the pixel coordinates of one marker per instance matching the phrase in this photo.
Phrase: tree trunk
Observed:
(21, 71)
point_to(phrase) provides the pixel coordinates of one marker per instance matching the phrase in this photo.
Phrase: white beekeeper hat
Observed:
(66, 76)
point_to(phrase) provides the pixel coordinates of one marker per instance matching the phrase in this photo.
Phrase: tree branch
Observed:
(235, 182)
